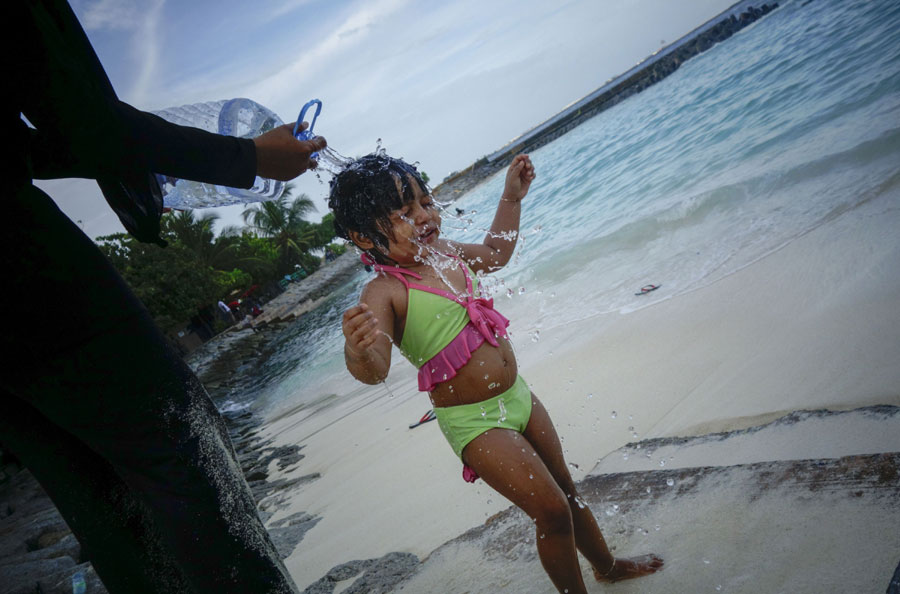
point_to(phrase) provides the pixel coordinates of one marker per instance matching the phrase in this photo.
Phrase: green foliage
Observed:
(170, 282)
(197, 269)
(337, 248)
(282, 222)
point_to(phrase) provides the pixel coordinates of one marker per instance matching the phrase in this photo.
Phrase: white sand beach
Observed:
(814, 325)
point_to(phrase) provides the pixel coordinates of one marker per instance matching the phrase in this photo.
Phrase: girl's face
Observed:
(416, 227)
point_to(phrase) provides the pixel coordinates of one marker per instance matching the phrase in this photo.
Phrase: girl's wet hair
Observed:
(365, 193)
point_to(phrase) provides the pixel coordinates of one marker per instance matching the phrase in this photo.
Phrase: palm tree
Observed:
(197, 235)
(283, 222)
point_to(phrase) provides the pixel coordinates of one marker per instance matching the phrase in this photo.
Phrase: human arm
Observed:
(368, 333)
(131, 138)
(82, 129)
(500, 242)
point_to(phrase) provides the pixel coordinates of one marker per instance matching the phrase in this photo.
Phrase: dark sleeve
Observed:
(83, 130)
(130, 139)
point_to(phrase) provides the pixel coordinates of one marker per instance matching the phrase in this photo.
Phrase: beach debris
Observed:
(428, 416)
(647, 289)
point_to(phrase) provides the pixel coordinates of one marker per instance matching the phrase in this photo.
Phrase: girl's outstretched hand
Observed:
(359, 327)
(518, 178)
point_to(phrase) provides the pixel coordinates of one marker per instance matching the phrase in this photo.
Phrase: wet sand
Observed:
(812, 326)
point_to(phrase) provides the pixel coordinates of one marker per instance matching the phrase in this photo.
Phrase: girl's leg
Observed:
(506, 461)
(541, 434)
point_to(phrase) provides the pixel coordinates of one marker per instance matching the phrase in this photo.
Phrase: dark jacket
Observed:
(81, 129)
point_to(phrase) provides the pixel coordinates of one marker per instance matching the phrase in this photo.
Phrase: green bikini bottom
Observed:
(463, 423)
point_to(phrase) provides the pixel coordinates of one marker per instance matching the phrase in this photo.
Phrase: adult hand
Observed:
(279, 155)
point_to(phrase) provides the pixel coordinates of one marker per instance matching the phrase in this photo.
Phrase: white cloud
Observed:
(114, 15)
(350, 34)
(283, 8)
(147, 49)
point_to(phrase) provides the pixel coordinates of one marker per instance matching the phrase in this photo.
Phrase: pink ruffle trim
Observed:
(445, 364)
(469, 475)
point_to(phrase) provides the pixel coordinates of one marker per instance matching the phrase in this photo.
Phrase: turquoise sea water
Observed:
(764, 137)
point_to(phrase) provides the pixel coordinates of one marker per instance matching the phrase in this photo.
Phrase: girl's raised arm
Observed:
(500, 242)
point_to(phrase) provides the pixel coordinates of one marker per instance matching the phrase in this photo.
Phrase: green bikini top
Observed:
(443, 328)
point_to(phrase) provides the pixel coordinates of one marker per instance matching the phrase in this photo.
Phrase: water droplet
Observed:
(706, 561)
(649, 490)
(531, 476)
(502, 406)
(670, 482)
(483, 412)
(535, 336)
(613, 415)
(662, 462)
(590, 395)
(542, 536)
(521, 290)
(657, 527)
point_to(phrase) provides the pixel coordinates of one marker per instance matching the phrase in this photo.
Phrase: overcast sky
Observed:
(439, 82)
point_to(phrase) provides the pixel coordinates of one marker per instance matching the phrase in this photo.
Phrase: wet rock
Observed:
(61, 583)
(379, 576)
(287, 532)
(27, 576)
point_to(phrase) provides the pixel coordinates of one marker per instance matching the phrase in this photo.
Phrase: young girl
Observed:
(425, 300)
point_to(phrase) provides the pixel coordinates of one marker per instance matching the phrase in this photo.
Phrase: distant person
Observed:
(225, 312)
(426, 300)
(110, 420)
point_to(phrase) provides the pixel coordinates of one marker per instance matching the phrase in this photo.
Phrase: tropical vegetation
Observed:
(185, 280)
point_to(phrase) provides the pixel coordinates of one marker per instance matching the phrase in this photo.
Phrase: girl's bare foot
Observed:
(626, 569)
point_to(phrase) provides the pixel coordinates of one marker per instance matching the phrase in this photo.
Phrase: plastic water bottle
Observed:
(232, 117)
(78, 585)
